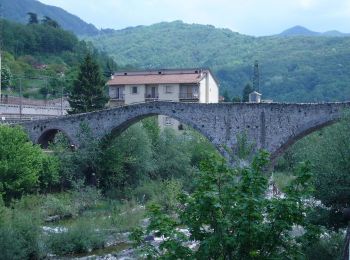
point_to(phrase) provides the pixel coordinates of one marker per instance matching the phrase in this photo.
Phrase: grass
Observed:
(282, 179)
(91, 222)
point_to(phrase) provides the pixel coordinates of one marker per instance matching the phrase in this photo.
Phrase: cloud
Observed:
(307, 4)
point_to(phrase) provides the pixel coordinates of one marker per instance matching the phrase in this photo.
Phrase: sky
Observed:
(252, 17)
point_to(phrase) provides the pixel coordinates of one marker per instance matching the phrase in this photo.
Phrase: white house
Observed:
(180, 85)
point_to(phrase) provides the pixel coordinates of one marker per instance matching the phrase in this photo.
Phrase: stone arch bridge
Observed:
(273, 126)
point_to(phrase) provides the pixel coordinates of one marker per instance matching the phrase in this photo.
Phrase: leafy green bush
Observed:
(126, 216)
(230, 217)
(20, 236)
(71, 203)
(59, 204)
(22, 165)
(164, 193)
(329, 247)
(80, 238)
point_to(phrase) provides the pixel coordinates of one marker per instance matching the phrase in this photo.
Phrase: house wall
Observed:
(131, 98)
(213, 90)
(173, 96)
(202, 91)
(168, 122)
(208, 90)
(112, 90)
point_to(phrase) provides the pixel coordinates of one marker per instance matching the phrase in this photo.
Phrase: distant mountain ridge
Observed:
(16, 10)
(293, 69)
(303, 31)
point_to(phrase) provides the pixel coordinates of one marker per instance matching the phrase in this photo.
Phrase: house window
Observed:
(168, 121)
(168, 89)
(134, 90)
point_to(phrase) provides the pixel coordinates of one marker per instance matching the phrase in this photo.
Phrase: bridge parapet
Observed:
(272, 126)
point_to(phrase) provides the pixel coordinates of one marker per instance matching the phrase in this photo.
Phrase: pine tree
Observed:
(33, 18)
(87, 93)
(50, 22)
(226, 96)
(246, 91)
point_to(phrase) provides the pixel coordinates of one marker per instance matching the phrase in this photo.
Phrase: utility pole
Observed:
(256, 77)
(0, 49)
(0, 72)
(1, 29)
(61, 99)
(20, 98)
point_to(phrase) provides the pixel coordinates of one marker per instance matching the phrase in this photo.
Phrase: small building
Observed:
(179, 85)
(255, 97)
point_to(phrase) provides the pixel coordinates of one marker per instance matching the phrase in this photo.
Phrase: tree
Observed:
(33, 18)
(236, 99)
(226, 96)
(172, 160)
(87, 93)
(126, 160)
(230, 217)
(329, 153)
(6, 76)
(22, 165)
(246, 91)
(50, 22)
(110, 67)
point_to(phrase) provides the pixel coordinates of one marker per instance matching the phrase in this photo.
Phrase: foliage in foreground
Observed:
(229, 216)
(23, 167)
(19, 235)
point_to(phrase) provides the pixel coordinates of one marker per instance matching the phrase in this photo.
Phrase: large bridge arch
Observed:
(273, 126)
(291, 140)
(123, 126)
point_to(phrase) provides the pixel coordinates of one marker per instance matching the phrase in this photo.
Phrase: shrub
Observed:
(330, 246)
(126, 216)
(164, 193)
(71, 203)
(80, 238)
(229, 216)
(59, 204)
(19, 237)
(21, 164)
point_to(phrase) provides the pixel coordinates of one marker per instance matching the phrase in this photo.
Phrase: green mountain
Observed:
(43, 59)
(296, 68)
(299, 31)
(302, 31)
(16, 10)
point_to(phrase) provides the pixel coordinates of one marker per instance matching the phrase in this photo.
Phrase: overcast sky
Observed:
(253, 17)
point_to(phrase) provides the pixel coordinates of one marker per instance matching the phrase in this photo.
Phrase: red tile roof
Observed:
(181, 78)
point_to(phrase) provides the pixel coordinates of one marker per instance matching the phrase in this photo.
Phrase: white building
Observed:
(180, 85)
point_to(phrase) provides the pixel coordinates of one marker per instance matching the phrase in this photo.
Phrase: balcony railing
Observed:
(119, 97)
(189, 96)
(150, 97)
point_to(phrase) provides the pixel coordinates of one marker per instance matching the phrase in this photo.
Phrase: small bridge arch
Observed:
(48, 136)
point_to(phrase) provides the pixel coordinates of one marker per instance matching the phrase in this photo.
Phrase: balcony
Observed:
(189, 96)
(120, 97)
(151, 98)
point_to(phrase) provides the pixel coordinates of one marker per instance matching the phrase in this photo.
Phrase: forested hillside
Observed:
(292, 68)
(16, 10)
(36, 51)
